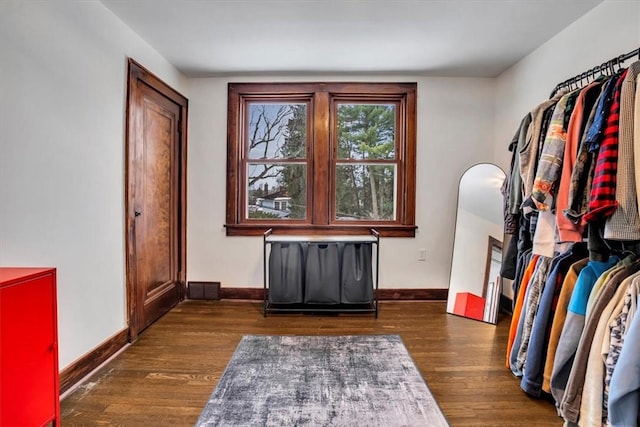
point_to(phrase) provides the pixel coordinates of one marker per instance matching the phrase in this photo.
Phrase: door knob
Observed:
(137, 213)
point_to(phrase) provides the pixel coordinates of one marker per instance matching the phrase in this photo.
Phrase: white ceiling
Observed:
(471, 38)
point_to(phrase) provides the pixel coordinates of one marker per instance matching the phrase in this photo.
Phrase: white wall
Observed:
(607, 31)
(62, 122)
(455, 131)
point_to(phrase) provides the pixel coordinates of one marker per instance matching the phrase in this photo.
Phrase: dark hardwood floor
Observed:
(166, 377)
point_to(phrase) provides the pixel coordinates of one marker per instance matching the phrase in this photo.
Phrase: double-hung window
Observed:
(321, 158)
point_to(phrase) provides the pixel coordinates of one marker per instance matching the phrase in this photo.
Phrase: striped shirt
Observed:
(602, 203)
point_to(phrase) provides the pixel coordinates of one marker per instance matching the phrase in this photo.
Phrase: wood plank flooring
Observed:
(166, 377)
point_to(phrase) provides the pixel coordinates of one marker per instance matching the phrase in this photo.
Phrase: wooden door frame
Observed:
(137, 73)
(493, 243)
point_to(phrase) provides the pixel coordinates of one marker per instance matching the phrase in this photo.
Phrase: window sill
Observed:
(385, 230)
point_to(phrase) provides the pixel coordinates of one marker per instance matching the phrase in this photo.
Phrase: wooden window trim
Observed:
(321, 148)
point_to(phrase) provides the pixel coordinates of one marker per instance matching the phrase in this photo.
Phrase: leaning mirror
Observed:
(475, 286)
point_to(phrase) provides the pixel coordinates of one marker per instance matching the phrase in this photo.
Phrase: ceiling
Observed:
(470, 38)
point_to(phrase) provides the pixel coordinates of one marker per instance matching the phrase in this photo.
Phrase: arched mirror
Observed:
(475, 286)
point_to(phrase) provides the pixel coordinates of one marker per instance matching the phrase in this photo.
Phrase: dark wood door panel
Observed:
(157, 225)
(156, 199)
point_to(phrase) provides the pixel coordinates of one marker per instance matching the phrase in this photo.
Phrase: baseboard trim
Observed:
(437, 294)
(75, 372)
(242, 293)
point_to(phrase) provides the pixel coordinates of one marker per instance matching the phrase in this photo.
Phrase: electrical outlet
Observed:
(422, 254)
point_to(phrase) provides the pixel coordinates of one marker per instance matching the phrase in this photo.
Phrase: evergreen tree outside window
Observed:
(365, 168)
(321, 158)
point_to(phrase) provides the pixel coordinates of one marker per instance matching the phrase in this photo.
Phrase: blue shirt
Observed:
(586, 279)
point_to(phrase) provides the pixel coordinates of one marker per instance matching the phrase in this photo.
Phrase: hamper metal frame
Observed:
(371, 307)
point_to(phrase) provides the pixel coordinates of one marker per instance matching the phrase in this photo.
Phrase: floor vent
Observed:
(203, 290)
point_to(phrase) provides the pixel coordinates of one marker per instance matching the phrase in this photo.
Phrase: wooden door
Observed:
(156, 198)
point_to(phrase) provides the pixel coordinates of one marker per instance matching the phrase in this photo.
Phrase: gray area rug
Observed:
(364, 380)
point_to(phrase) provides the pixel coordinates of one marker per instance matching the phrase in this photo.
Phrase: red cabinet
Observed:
(469, 305)
(29, 381)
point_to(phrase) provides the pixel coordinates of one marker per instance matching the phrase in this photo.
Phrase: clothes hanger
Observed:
(622, 250)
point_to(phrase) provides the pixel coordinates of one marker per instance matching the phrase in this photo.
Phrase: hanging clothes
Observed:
(549, 164)
(528, 155)
(624, 224)
(574, 324)
(531, 307)
(570, 231)
(570, 404)
(559, 318)
(515, 318)
(521, 336)
(531, 381)
(592, 411)
(615, 334)
(512, 187)
(582, 175)
(603, 188)
(636, 134)
(624, 392)
(571, 191)
(522, 263)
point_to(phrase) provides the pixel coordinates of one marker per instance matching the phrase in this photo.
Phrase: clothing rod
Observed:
(600, 68)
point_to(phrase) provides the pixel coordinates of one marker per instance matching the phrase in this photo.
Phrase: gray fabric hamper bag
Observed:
(322, 274)
(286, 273)
(356, 274)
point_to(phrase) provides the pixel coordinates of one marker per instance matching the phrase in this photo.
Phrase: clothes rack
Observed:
(572, 198)
(607, 66)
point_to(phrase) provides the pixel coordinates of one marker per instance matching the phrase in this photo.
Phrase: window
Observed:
(321, 158)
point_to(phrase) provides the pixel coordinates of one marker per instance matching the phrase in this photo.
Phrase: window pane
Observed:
(277, 131)
(277, 191)
(366, 131)
(365, 192)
